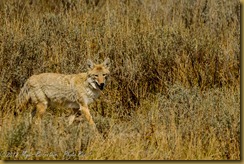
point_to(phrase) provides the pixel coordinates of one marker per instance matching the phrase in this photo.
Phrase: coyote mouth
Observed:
(101, 86)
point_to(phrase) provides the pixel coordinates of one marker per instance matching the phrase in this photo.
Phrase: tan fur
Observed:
(75, 91)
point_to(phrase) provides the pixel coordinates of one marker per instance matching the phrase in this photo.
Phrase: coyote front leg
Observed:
(85, 110)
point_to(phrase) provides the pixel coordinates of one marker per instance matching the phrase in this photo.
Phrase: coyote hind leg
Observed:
(39, 111)
(38, 98)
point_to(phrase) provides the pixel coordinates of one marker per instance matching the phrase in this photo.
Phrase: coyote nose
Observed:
(101, 86)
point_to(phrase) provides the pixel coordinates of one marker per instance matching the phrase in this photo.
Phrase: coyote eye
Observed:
(96, 75)
(104, 74)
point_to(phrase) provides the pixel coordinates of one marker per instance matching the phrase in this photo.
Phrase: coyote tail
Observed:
(23, 96)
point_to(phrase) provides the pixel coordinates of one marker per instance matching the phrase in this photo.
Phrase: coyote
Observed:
(74, 91)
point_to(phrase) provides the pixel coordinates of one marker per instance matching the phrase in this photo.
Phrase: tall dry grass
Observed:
(174, 91)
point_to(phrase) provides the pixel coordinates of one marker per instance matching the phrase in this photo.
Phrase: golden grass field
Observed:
(174, 90)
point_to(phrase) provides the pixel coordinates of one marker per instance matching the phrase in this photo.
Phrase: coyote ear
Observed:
(106, 63)
(90, 64)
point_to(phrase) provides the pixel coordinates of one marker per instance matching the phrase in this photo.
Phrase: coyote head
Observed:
(98, 74)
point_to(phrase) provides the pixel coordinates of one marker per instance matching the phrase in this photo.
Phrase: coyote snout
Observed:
(74, 91)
